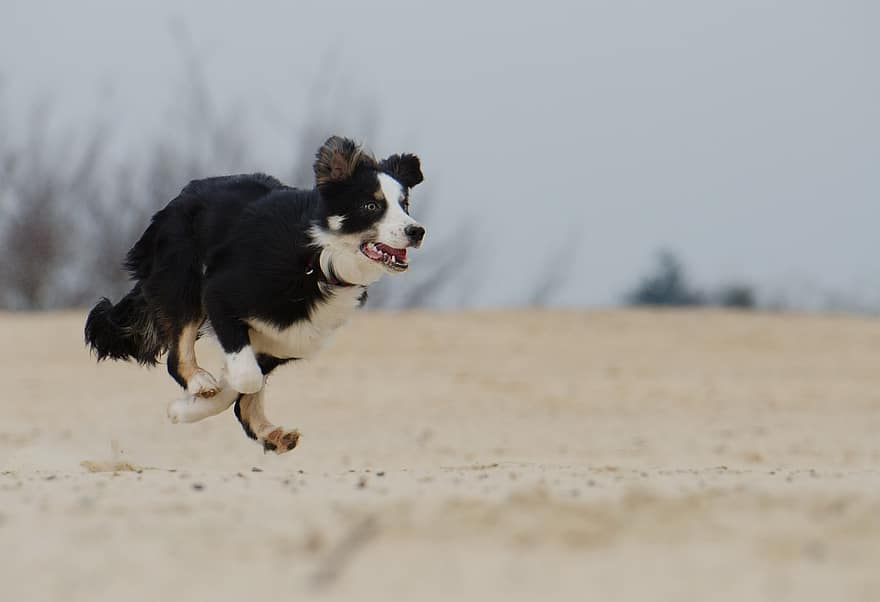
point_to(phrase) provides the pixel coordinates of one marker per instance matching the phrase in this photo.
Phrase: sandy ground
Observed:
(529, 455)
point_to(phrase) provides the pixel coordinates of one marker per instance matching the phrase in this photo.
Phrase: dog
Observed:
(269, 270)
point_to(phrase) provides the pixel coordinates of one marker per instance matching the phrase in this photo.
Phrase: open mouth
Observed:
(393, 259)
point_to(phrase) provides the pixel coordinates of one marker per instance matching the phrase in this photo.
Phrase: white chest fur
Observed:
(304, 338)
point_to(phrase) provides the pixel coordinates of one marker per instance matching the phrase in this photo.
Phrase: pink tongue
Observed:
(398, 253)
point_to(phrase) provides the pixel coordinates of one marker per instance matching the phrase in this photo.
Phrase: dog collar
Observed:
(313, 267)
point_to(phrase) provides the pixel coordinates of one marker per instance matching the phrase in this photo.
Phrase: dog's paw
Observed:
(193, 409)
(243, 372)
(202, 384)
(280, 441)
(180, 410)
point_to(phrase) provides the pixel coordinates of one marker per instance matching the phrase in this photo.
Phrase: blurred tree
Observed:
(666, 285)
(740, 296)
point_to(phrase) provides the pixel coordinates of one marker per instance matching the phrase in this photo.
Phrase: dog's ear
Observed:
(405, 168)
(337, 159)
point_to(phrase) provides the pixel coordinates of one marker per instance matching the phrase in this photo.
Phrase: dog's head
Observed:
(365, 227)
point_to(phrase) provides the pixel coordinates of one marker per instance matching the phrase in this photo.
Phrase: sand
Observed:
(491, 455)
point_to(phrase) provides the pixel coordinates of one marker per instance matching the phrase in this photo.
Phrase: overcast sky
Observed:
(744, 135)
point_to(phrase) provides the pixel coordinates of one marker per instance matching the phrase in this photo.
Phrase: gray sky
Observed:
(744, 135)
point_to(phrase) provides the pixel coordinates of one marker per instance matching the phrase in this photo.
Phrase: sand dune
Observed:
(605, 455)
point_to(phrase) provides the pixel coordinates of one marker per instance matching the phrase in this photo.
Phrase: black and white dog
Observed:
(271, 270)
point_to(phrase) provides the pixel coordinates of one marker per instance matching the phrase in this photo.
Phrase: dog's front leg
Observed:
(242, 370)
(249, 411)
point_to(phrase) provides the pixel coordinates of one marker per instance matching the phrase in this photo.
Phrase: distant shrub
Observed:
(740, 296)
(666, 284)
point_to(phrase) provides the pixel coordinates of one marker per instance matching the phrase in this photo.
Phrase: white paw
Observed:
(193, 409)
(243, 372)
(202, 384)
(179, 410)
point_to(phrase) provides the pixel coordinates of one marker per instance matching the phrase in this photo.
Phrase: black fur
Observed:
(268, 363)
(232, 248)
(404, 168)
(244, 425)
(126, 330)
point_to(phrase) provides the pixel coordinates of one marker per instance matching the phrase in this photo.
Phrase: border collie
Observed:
(271, 271)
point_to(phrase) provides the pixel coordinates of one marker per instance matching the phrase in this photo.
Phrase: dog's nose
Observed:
(415, 233)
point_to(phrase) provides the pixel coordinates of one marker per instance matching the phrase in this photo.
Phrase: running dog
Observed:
(269, 270)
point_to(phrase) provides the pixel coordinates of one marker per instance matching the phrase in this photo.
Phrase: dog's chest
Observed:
(304, 338)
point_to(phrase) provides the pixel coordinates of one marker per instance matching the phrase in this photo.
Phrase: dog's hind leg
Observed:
(249, 411)
(183, 367)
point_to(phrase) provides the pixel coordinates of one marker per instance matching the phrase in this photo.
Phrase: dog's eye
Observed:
(371, 206)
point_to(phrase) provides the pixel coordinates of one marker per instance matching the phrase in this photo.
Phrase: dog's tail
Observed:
(129, 330)
(125, 331)
(139, 260)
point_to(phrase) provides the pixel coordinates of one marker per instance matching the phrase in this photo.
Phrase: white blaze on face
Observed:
(392, 227)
